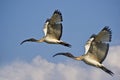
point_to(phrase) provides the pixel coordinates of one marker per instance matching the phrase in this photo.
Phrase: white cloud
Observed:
(41, 69)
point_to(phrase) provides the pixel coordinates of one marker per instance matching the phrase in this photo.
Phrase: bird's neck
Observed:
(79, 58)
(41, 40)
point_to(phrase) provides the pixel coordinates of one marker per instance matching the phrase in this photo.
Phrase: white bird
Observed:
(52, 30)
(96, 50)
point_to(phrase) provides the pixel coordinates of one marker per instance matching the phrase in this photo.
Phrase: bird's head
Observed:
(65, 54)
(29, 40)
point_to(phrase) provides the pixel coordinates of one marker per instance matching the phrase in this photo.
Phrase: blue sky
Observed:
(23, 19)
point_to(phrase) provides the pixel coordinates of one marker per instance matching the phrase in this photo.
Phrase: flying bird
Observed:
(96, 50)
(52, 30)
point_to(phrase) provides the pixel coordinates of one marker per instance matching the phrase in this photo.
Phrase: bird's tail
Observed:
(65, 44)
(107, 70)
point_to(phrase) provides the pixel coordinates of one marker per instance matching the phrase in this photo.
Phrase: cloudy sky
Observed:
(42, 69)
(23, 19)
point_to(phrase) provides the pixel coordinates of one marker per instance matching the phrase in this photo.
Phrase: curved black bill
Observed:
(30, 40)
(65, 54)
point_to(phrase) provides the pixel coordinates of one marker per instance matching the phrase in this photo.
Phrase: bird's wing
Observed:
(56, 17)
(45, 29)
(53, 26)
(88, 43)
(99, 47)
(54, 31)
(104, 35)
(99, 50)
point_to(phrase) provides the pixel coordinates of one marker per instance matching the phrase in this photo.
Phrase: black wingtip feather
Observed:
(106, 28)
(59, 13)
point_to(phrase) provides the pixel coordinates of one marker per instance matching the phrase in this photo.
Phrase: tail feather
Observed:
(65, 44)
(107, 70)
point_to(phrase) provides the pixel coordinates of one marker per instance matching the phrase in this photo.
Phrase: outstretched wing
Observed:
(88, 43)
(53, 26)
(99, 47)
(99, 50)
(104, 35)
(45, 29)
(56, 17)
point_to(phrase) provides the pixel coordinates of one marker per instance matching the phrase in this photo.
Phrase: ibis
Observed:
(52, 31)
(96, 50)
